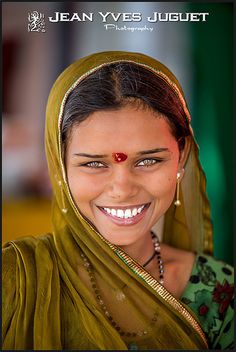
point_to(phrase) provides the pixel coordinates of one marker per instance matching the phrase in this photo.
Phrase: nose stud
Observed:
(119, 157)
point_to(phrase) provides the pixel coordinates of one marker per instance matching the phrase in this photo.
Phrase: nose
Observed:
(122, 184)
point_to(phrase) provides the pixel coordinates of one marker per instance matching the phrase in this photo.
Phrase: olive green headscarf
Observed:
(51, 276)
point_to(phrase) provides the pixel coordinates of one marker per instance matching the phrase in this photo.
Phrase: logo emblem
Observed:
(36, 22)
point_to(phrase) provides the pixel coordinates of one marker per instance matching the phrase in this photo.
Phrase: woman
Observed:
(122, 158)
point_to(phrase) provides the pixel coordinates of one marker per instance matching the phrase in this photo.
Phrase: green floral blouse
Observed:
(210, 295)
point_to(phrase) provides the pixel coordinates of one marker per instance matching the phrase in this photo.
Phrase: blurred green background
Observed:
(212, 115)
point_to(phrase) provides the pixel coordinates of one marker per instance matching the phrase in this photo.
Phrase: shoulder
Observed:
(209, 270)
(9, 261)
(19, 264)
(21, 251)
(209, 294)
(16, 256)
(22, 262)
(24, 243)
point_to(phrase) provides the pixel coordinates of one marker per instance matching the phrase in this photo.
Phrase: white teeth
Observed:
(113, 212)
(124, 214)
(128, 213)
(120, 213)
(140, 209)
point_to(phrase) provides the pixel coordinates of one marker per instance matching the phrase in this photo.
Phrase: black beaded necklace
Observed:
(157, 253)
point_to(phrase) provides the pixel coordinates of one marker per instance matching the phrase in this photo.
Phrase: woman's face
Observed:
(123, 199)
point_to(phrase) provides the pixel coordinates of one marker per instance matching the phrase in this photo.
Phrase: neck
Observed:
(141, 250)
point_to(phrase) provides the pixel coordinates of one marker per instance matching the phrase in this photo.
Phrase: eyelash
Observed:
(150, 161)
(94, 167)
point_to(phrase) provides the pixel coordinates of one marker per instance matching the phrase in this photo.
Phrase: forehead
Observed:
(128, 127)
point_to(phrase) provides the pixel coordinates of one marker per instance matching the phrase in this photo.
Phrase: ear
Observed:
(184, 153)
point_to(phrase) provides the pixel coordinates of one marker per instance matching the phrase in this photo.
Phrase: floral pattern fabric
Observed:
(210, 295)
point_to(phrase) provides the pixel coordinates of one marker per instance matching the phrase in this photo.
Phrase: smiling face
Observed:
(123, 199)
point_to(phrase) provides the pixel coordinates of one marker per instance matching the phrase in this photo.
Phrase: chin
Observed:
(122, 236)
(119, 241)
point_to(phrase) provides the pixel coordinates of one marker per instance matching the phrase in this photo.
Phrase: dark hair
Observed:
(114, 86)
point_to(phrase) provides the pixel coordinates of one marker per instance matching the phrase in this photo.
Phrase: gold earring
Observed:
(177, 203)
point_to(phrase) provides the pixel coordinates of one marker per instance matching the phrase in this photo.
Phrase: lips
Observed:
(125, 215)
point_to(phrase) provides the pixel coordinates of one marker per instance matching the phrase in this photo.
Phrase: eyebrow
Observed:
(143, 152)
(90, 155)
(152, 151)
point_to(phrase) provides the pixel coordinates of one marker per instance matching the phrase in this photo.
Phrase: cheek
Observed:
(83, 188)
(163, 186)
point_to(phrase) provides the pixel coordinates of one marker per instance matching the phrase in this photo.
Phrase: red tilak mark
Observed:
(118, 157)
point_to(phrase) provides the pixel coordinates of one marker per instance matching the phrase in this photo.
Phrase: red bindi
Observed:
(118, 157)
